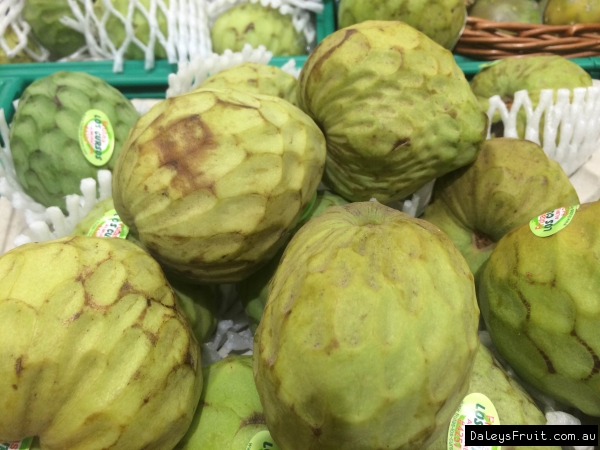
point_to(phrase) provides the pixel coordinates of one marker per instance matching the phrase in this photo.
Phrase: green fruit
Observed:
(12, 40)
(395, 107)
(255, 78)
(532, 73)
(513, 404)
(103, 358)
(353, 348)
(255, 24)
(567, 12)
(213, 181)
(510, 182)
(441, 20)
(44, 136)
(253, 291)
(229, 414)
(115, 28)
(526, 11)
(199, 303)
(44, 17)
(540, 301)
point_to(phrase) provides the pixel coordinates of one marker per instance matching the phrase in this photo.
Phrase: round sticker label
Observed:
(262, 441)
(25, 444)
(96, 137)
(476, 409)
(110, 226)
(552, 222)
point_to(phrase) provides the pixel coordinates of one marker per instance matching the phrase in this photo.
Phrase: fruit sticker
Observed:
(262, 441)
(96, 137)
(25, 444)
(476, 409)
(552, 222)
(110, 226)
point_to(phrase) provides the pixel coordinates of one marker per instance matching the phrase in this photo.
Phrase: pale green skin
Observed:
(116, 29)
(103, 357)
(229, 413)
(44, 18)
(567, 12)
(395, 107)
(511, 181)
(441, 20)
(369, 333)
(525, 11)
(218, 210)
(12, 40)
(531, 73)
(44, 135)
(198, 302)
(254, 24)
(254, 291)
(513, 404)
(539, 299)
(255, 78)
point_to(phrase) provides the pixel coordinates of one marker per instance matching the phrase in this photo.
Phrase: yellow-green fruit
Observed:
(115, 28)
(229, 414)
(369, 334)
(198, 302)
(255, 24)
(103, 358)
(255, 78)
(44, 17)
(441, 20)
(395, 107)
(567, 12)
(540, 299)
(532, 73)
(513, 404)
(510, 182)
(253, 291)
(214, 181)
(12, 40)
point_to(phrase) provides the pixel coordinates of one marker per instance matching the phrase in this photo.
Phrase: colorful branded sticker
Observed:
(309, 207)
(25, 444)
(476, 409)
(110, 226)
(262, 441)
(96, 137)
(552, 222)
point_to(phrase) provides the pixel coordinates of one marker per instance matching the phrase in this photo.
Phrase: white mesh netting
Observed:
(15, 32)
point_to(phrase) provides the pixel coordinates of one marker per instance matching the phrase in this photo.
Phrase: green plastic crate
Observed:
(134, 81)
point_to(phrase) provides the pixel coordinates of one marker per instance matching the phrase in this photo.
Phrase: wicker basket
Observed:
(489, 40)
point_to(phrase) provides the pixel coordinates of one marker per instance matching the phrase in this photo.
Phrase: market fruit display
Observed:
(255, 78)
(229, 414)
(395, 108)
(441, 20)
(44, 18)
(568, 12)
(213, 181)
(525, 11)
(253, 291)
(540, 299)
(46, 128)
(115, 28)
(513, 405)
(198, 302)
(510, 182)
(255, 24)
(532, 73)
(345, 355)
(82, 371)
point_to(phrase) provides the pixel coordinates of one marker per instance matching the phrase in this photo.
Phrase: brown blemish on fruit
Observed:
(14, 386)
(317, 66)
(482, 241)
(73, 318)
(19, 366)
(549, 364)
(250, 27)
(316, 431)
(334, 344)
(401, 143)
(596, 367)
(255, 419)
(526, 303)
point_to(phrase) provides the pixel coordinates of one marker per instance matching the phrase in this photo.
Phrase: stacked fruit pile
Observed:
(550, 12)
(366, 319)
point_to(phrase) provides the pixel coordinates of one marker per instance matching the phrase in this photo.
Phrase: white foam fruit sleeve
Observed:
(11, 21)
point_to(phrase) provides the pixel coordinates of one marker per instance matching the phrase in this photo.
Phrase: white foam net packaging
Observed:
(13, 24)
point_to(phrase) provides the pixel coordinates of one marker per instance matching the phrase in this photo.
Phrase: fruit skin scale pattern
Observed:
(539, 299)
(346, 320)
(78, 368)
(412, 117)
(214, 181)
